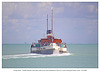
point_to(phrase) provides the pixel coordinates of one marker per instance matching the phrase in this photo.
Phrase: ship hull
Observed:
(49, 51)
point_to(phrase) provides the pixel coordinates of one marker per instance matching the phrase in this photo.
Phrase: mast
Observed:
(52, 20)
(47, 22)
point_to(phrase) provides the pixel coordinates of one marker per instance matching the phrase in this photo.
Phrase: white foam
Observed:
(33, 55)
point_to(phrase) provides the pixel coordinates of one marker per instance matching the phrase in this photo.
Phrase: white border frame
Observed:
(88, 70)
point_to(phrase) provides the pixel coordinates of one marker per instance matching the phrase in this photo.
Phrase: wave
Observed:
(33, 55)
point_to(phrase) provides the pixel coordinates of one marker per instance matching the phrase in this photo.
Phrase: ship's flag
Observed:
(49, 31)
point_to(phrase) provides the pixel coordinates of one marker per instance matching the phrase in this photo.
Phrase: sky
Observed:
(73, 22)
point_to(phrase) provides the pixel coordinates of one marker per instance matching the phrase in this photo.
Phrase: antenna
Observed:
(52, 20)
(47, 22)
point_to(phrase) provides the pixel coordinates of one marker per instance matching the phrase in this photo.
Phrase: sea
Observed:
(78, 56)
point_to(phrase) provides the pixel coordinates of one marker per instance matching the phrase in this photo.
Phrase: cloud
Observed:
(18, 10)
(73, 4)
(91, 8)
(45, 5)
(59, 10)
(7, 8)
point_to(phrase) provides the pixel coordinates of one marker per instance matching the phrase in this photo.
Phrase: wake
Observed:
(33, 55)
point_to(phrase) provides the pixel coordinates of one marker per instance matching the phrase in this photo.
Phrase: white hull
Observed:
(51, 49)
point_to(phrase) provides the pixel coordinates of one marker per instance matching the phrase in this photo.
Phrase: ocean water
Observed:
(79, 56)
